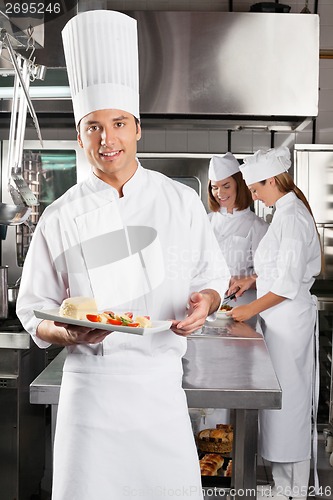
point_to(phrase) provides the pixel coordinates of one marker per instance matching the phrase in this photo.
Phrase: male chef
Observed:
(135, 241)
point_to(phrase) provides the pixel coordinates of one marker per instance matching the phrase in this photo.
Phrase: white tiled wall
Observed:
(208, 140)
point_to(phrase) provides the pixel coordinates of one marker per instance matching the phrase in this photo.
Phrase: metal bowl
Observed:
(12, 298)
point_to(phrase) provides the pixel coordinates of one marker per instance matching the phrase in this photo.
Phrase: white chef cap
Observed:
(265, 164)
(101, 52)
(222, 166)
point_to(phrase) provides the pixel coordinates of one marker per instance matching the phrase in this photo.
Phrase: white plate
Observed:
(53, 315)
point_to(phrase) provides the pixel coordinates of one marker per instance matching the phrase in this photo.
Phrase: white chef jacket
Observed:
(286, 262)
(238, 234)
(121, 401)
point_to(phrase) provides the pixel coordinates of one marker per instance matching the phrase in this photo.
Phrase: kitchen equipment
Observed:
(13, 291)
(306, 9)
(13, 214)
(36, 70)
(21, 194)
(172, 87)
(22, 425)
(3, 292)
(313, 173)
(49, 170)
(18, 188)
(228, 298)
(269, 7)
(18, 213)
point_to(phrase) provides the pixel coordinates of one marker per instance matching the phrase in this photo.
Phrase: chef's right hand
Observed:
(64, 334)
(240, 285)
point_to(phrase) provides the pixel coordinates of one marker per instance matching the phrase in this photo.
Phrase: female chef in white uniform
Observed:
(123, 429)
(238, 230)
(286, 262)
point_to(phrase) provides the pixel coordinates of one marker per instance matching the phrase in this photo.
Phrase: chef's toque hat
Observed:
(222, 166)
(101, 52)
(265, 164)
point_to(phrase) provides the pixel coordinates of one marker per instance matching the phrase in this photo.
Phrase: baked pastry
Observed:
(228, 471)
(217, 440)
(78, 307)
(210, 464)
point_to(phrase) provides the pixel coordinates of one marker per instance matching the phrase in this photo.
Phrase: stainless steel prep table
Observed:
(22, 426)
(222, 369)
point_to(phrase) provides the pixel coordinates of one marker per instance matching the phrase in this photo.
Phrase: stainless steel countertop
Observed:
(15, 340)
(222, 369)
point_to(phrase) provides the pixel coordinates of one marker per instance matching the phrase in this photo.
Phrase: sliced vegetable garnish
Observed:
(126, 319)
(112, 321)
(94, 317)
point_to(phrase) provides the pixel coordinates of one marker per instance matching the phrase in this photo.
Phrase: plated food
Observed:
(82, 311)
(85, 308)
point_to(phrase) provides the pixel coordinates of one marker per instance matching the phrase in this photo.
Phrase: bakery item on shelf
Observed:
(217, 440)
(228, 471)
(210, 464)
(78, 307)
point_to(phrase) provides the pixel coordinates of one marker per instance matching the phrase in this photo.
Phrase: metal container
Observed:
(3, 292)
(13, 291)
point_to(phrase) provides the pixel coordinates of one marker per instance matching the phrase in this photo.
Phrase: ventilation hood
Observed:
(231, 69)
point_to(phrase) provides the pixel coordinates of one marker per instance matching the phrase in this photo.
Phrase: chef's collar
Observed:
(235, 213)
(285, 199)
(107, 191)
(135, 181)
(104, 189)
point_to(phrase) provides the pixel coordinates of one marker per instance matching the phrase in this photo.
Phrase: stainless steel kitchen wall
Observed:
(231, 66)
(245, 64)
(313, 173)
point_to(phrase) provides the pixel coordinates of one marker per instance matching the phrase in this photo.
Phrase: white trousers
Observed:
(291, 479)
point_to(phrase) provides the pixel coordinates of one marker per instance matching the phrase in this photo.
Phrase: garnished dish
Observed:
(125, 319)
(82, 311)
(83, 308)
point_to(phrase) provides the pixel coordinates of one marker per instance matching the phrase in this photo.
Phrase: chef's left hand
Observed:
(242, 313)
(199, 307)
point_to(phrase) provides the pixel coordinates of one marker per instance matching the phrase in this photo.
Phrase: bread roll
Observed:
(78, 307)
(210, 464)
(219, 434)
(217, 440)
(228, 472)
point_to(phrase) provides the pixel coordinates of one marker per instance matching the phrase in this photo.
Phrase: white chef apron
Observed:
(123, 428)
(285, 435)
(123, 431)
